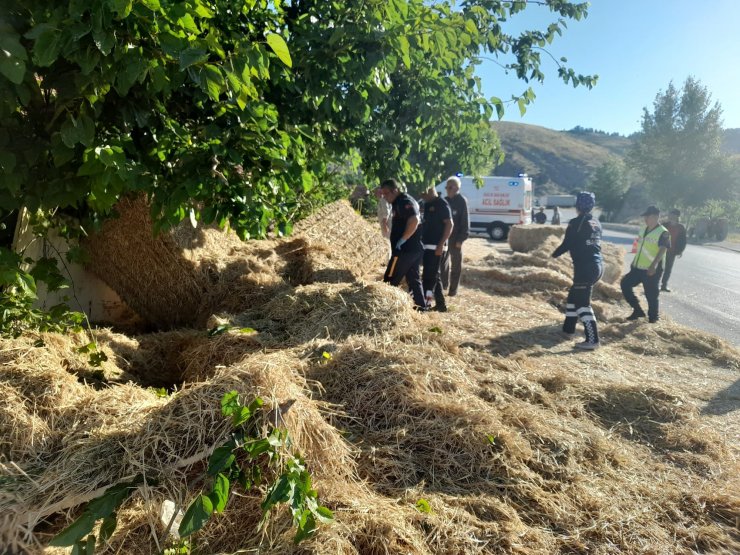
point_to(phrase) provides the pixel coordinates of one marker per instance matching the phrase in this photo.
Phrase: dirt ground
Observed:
(714, 389)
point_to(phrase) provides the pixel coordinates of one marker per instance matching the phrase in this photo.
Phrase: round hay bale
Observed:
(148, 272)
(526, 238)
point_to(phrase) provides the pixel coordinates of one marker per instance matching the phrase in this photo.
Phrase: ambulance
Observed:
(500, 203)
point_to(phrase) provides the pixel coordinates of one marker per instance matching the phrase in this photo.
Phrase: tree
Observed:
(609, 183)
(678, 148)
(231, 110)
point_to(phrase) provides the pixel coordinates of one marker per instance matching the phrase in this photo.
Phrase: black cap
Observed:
(651, 211)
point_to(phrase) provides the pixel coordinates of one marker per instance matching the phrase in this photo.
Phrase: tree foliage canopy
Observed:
(609, 183)
(678, 148)
(231, 110)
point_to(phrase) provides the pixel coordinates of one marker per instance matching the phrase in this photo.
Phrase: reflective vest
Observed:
(647, 247)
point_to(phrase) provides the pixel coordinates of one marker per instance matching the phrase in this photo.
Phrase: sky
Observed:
(636, 47)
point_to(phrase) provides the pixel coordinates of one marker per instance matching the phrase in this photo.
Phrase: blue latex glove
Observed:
(400, 243)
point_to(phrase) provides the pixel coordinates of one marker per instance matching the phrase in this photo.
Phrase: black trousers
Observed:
(406, 265)
(451, 268)
(578, 303)
(670, 258)
(431, 278)
(651, 285)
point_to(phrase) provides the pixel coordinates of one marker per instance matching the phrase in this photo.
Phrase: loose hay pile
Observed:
(516, 444)
(526, 238)
(181, 277)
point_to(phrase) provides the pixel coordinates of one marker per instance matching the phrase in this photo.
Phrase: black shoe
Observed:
(440, 308)
(421, 308)
(653, 320)
(452, 292)
(636, 313)
(665, 289)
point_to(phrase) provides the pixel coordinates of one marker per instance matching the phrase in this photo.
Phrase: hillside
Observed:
(560, 161)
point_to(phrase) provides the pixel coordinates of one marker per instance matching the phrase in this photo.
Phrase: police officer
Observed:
(405, 239)
(647, 266)
(583, 241)
(436, 230)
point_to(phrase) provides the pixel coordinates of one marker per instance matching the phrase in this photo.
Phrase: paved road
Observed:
(706, 288)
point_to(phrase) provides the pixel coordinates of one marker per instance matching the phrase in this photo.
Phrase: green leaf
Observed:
(47, 47)
(240, 416)
(278, 493)
(522, 106)
(403, 43)
(75, 531)
(11, 45)
(106, 504)
(13, 68)
(192, 56)
(196, 516)
(104, 41)
(221, 458)
(151, 4)
(108, 527)
(280, 48)
(219, 495)
(435, 329)
(212, 81)
(229, 403)
(306, 527)
(423, 506)
(324, 515)
(188, 24)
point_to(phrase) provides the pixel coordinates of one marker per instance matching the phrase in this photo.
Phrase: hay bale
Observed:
(337, 311)
(526, 238)
(341, 240)
(148, 272)
(181, 277)
(613, 262)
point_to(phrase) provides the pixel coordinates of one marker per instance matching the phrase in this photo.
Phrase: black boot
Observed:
(636, 313)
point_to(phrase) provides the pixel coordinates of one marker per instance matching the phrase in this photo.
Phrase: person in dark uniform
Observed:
(452, 259)
(540, 217)
(437, 227)
(583, 241)
(678, 245)
(407, 250)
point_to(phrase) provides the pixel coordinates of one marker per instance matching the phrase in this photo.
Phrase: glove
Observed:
(400, 243)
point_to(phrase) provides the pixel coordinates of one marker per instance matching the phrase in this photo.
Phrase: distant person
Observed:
(405, 239)
(647, 266)
(358, 196)
(540, 217)
(452, 261)
(384, 213)
(555, 220)
(678, 245)
(583, 241)
(437, 229)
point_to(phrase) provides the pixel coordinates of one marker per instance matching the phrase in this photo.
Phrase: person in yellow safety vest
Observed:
(647, 266)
